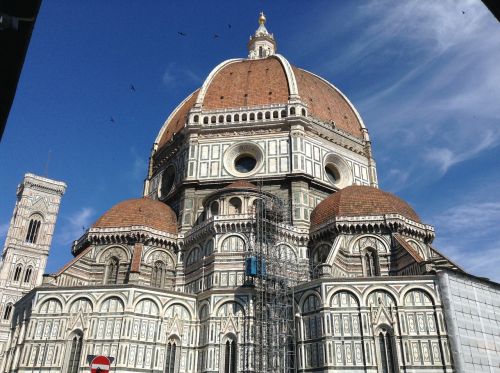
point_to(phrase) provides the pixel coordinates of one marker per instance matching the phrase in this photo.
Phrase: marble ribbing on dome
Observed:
(357, 200)
(139, 212)
(326, 103)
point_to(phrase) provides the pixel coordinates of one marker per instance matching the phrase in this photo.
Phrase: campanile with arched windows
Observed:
(28, 242)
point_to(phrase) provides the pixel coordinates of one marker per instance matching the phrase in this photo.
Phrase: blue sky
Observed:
(425, 76)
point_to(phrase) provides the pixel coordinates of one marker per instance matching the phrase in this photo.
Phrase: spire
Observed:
(262, 43)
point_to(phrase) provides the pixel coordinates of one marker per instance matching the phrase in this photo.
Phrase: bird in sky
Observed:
(112, 120)
(132, 88)
(216, 36)
(181, 33)
(228, 25)
(463, 11)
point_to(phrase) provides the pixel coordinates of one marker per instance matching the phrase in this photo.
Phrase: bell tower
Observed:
(27, 244)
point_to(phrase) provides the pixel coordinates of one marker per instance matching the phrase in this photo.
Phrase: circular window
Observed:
(243, 159)
(167, 181)
(332, 173)
(245, 163)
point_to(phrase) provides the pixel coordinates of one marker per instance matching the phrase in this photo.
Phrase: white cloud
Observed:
(465, 233)
(175, 75)
(74, 225)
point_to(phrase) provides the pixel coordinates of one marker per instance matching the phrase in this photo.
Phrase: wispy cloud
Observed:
(73, 225)
(464, 232)
(431, 83)
(175, 74)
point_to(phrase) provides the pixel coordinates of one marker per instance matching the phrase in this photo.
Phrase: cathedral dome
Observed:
(246, 83)
(358, 200)
(139, 212)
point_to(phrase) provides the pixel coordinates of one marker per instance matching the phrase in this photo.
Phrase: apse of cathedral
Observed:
(262, 243)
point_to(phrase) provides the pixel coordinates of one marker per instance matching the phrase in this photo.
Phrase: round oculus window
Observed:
(245, 163)
(332, 173)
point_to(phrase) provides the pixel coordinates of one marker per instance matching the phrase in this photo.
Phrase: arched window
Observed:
(33, 228)
(112, 271)
(388, 360)
(8, 311)
(214, 208)
(158, 274)
(235, 205)
(372, 267)
(17, 272)
(292, 111)
(75, 352)
(261, 52)
(170, 359)
(244, 117)
(230, 356)
(27, 275)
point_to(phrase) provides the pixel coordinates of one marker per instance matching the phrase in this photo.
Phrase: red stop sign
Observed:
(100, 364)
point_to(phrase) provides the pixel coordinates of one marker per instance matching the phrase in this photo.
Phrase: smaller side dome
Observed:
(139, 212)
(359, 200)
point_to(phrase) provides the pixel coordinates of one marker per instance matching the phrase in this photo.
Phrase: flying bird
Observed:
(228, 25)
(132, 88)
(216, 36)
(463, 11)
(181, 33)
(112, 120)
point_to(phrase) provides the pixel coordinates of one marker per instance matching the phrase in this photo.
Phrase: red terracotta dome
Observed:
(357, 200)
(139, 212)
(242, 83)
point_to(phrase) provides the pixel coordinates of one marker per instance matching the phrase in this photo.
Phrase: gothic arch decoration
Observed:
(112, 270)
(81, 304)
(233, 243)
(177, 316)
(112, 304)
(147, 307)
(159, 254)
(382, 309)
(50, 306)
(371, 241)
(418, 248)
(113, 251)
(232, 315)
(194, 255)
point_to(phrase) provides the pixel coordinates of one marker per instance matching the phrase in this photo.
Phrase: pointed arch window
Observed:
(75, 352)
(17, 273)
(170, 359)
(8, 311)
(386, 348)
(27, 275)
(230, 356)
(158, 274)
(372, 267)
(33, 229)
(112, 271)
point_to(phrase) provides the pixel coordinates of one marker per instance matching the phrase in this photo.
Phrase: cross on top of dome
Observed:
(262, 43)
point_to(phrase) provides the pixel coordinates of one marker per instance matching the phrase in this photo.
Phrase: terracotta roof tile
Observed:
(358, 200)
(139, 212)
(248, 83)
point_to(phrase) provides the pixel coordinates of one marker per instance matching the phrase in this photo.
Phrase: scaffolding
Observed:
(273, 269)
